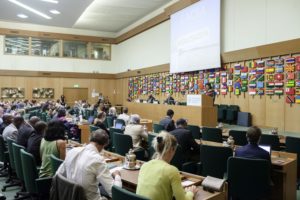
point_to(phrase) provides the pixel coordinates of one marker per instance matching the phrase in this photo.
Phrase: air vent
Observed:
(14, 32)
(46, 74)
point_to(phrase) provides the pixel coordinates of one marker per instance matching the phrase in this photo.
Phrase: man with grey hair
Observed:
(86, 167)
(136, 131)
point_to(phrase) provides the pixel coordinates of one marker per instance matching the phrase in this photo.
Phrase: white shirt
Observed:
(85, 166)
(125, 117)
(137, 132)
(10, 131)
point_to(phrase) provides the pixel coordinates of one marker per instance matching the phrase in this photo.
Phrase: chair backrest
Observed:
(151, 150)
(212, 134)
(93, 128)
(120, 121)
(29, 171)
(65, 189)
(239, 137)
(272, 140)
(111, 133)
(293, 146)
(110, 122)
(122, 143)
(55, 163)
(195, 131)
(214, 160)
(157, 128)
(17, 158)
(9, 142)
(2, 150)
(248, 178)
(121, 194)
(178, 158)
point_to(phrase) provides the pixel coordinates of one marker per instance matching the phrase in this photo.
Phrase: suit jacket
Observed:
(186, 141)
(252, 151)
(136, 131)
(25, 131)
(168, 123)
(170, 101)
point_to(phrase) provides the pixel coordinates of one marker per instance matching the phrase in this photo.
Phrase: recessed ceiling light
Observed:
(22, 16)
(50, 1)
(30, 9)
(56, 12)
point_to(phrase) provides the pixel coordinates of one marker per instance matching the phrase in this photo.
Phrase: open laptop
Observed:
(119, 126)
(266, 147)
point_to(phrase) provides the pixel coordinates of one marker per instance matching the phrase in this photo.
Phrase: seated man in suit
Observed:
(150, 99)
(168, 122)
(185, 139)
(252, 150)
(170, 100)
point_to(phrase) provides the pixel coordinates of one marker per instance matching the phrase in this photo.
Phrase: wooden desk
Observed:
(196, 115)
(148, 123)
(284, 174)
(85, 133)
(130, 180)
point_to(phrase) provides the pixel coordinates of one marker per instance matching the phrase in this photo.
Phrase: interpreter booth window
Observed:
(101, 51)
(75, 49)
(45, 47)
(16, 45)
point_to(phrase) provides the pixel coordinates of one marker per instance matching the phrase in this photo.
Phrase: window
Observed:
(44, 47)
(75, 49)
(16, 45)
(101, 51)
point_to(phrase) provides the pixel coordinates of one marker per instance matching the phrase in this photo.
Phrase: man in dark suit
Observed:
(170, 100)
(167, 121)
(26, 130)
(185, 139)
(252, 150)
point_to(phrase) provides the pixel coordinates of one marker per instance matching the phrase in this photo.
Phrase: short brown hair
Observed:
(253, 134)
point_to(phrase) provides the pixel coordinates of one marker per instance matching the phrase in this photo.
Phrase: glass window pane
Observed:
(44, 47)
(75, 49)
(17, 45)
(101, 51)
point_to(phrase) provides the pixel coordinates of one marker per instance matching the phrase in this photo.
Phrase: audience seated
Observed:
(52, 143)
(26, 130)
(167, 181)
(99, 121)
(7, 120)
(86, 167)
(34, 141)
(136, 131)
(150, 99)
(112, 112)
(252, 150)
(11, 131)
(170, 100)
(185, 139)
(167, 121)
(124, 116)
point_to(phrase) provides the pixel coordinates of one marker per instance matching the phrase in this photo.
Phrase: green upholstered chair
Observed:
(180, 162)
(213, 160)
(212, 134)
(14, 181)
(121, 194)
(272, 140)
(293, 146)
(55, 163)
(151, 150)
(3, 156)
(157, 128)
(239, 137)
(93, 128)
(222, 113)
(110, 122)
(35, 186)
(111, 133)
(248, 178)
(195, 130)
(123, 143)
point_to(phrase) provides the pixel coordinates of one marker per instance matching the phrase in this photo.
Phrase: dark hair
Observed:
(18, 121)
(170, 112)
(33, 120)
(208, 84)
(253, 134)
(125, 110)
(61, 113)
(99, 136)
(40, 127)
(181, 121)
(55, 131)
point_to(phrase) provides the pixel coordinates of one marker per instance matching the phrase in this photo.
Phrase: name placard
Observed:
(194, 100)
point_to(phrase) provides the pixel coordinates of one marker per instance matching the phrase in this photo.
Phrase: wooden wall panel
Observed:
(292, 118)
(274, 112)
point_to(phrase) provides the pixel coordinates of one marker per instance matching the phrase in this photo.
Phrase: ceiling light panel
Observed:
(55, 12)
(50, 1)
(22, 16)
(30, 9)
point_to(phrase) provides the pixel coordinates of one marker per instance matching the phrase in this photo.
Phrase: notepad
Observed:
(187, 183)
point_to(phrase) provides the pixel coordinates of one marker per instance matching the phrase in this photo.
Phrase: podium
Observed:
(204, 114)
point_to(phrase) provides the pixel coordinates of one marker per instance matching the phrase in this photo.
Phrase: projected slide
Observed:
(195, 37)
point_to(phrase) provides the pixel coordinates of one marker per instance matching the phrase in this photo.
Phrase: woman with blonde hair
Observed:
(167, 181)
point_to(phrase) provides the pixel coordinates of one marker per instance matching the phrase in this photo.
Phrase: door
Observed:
(75, 94)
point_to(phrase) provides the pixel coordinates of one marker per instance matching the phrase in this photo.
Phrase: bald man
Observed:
(26, 130)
